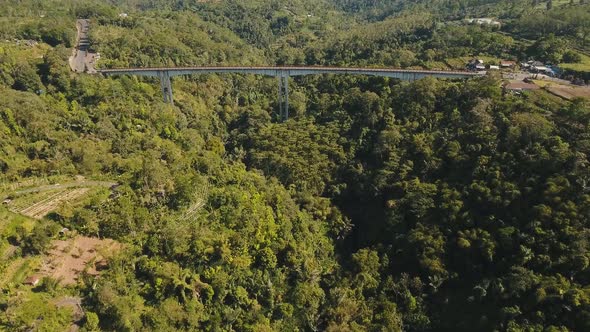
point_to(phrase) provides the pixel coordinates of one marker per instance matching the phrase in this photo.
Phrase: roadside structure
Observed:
(32, 280)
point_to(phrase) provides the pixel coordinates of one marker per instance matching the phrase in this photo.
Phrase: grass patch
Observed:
(545, 99)
(543, 83)
(29, 53)
(556, 4)
(7, 188)
(18, 269)
(582, 66)
(9, 221)
(21, 272)
(436, 65)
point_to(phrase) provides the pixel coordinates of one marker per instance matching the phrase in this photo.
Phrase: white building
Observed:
(483, 21)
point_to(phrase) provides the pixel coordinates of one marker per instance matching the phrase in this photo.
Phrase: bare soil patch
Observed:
(69, 258)
(569, 92)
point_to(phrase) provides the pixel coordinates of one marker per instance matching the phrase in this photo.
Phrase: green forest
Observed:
(379, 205)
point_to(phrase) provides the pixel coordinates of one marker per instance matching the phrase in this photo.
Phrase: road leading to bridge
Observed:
(82, 59)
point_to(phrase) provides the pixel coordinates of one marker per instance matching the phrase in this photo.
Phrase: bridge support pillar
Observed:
(283, 95)
(166, 86)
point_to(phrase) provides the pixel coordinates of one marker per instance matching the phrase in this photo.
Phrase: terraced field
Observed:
(584, 65)
(41, 208)
(37, 202)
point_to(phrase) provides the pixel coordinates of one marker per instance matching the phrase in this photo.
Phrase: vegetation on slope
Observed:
(380, 205)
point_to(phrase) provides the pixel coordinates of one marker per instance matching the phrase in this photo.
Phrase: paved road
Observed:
(80, 61)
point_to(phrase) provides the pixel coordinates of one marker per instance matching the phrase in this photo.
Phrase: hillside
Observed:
(380, 205)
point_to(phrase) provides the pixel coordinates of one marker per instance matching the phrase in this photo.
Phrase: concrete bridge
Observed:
(282, 73)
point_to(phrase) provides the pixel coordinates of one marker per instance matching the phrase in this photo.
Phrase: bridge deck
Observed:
(289, 71)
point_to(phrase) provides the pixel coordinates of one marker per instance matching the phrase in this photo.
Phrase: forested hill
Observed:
(379, 205)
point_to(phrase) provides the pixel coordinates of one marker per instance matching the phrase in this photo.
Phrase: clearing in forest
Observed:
(569, 92)
(67, 259)
(41, 208)
(39, 201)
(565, 91)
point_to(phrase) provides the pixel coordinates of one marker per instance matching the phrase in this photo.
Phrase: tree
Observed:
(39, 238)
(91, 322)
(571, 57)
(25, 78)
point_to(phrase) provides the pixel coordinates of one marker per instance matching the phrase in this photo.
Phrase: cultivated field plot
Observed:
(556, 3)
(569, 92)
(39, 201)
(39, 205)
(69, 258)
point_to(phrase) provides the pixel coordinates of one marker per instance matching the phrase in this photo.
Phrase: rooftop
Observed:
(32, 280)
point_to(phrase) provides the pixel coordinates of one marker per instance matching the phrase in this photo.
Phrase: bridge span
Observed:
(282, 73)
